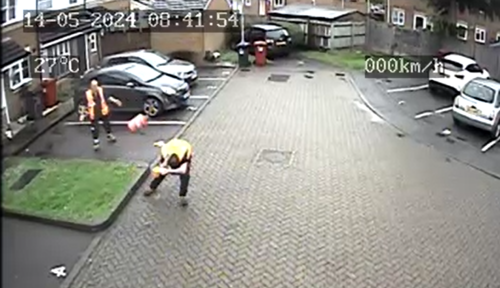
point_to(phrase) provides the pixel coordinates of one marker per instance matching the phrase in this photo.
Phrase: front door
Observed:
(262, 7)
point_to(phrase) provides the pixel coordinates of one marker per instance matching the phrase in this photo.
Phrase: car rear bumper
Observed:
(471, 120)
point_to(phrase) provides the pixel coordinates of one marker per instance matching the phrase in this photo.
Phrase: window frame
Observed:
(466, 29)
(92, 42)
(401, 15)
(279, 3)
(9, 9)
(44, 4)
(18, 67)
(424, 22)
(72, 2)
(479, 30)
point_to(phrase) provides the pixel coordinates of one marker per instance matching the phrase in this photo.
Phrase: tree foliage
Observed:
(490, 8)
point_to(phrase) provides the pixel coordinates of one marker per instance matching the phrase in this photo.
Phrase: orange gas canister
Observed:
(137, 123)
(260, 53)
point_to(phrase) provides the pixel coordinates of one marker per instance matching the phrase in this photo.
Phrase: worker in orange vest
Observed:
(97, 109)
(175, 159)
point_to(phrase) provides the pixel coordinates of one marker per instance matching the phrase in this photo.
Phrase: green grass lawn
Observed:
(352, 60)
(81, 191)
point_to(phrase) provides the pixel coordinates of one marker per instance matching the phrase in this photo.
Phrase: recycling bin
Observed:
(242, 49)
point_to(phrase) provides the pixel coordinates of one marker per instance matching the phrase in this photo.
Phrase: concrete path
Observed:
(296, 185)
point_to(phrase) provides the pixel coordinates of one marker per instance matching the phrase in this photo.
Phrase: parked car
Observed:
(478, 105)
(139, 87)
(456, 70)
(277, 37)
(174, 67)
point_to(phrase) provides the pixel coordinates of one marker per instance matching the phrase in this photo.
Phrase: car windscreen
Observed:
(277, 34)
(155, 59)
(144, 73)
(452, 65)
(479, 92)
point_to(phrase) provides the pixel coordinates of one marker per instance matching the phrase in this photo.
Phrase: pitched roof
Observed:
(11, 51)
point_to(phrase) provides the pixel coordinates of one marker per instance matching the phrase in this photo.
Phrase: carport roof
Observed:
(311, 11)
(11, 51)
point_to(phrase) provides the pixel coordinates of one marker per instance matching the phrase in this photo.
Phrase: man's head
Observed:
(94, 85)
(173, 161)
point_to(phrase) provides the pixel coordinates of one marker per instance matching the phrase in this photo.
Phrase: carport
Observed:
(325, 27)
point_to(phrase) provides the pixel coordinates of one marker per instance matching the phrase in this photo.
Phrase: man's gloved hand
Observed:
(159, 144)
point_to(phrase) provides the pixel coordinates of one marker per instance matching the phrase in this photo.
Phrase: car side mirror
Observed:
(130, 84)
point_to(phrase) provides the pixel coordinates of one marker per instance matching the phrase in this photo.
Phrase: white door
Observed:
(262, 7)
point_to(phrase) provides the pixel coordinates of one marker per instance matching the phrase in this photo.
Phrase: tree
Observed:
(490, 8)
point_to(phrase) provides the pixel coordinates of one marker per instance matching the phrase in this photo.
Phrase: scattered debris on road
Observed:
(445, 132)
(59, 271)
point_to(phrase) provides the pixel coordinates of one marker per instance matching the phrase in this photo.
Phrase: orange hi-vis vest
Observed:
(91, 103)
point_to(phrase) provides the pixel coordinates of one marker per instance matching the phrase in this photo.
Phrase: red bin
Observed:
(49, 92)
(260, 53)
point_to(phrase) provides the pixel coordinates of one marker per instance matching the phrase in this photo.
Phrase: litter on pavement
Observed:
(59, 271)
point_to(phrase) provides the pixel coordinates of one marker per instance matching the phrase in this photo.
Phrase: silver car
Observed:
(478, 105)
(177, 68)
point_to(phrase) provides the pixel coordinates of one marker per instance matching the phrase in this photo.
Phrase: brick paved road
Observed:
(358, 206)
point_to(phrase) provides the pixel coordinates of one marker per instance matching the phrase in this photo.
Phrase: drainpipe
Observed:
(388, 11)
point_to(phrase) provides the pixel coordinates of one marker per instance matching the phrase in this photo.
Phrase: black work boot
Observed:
(96, 145)
(183, 201)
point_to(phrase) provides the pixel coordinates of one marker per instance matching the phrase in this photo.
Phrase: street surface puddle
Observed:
(25, 179)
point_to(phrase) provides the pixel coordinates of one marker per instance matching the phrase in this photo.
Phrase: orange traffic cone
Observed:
(138, 123)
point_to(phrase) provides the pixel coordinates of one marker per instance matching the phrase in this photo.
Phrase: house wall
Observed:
(216, 40)
(117, 42)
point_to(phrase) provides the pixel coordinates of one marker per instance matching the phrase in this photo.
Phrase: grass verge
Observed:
(78, 191)
(352, 60)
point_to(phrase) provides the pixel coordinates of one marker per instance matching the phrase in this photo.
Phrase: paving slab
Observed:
(295, 186)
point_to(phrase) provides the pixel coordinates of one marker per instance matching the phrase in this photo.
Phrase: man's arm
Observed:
(180, 170)
(112, 99)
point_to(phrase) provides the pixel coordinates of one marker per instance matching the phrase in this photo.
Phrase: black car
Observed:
(139, 87)
(278, 39)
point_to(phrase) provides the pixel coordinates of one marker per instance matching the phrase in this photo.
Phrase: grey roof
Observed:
(267, 27)
(185, 5)
(311, 11)
(11, 51)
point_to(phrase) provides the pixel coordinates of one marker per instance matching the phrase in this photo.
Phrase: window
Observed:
(92, 40)
(59, 50)
(8, 11)
(19, 74)
(248, 2)
(279, 3)
(480, 35)
(474, 68)
(480, 92)
(111, 80)
(398, 17)
(462, 32)
(73, 1)
(419, 22)
(44, 4)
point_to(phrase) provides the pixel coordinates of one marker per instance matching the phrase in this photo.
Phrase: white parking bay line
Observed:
(408, 89)
(430, 113)
(199, 97)
(490, 145)
(212, 78)
(150, 123)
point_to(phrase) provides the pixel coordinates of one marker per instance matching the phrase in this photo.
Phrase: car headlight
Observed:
(168, 90)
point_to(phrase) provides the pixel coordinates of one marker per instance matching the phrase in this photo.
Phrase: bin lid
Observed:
(260, 43)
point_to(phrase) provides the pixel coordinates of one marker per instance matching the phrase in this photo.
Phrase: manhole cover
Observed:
(25, 179)
(278, 78)
(275, 157)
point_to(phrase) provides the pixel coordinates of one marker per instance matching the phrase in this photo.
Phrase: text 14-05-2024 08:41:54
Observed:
(155, 20)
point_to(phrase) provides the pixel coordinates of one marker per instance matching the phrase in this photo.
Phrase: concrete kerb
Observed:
(99, 225)
(227, 65)
(97, 240)
(374, 110)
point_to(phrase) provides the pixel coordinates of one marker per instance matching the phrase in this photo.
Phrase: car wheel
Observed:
(432, 88)
(496, 132)
(153, 107)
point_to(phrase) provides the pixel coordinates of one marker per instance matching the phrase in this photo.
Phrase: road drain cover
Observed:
(279, 78)
(275, 157)
(25, 179)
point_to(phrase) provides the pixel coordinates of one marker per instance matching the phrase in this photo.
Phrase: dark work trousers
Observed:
(94, 127)
(184, 179)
